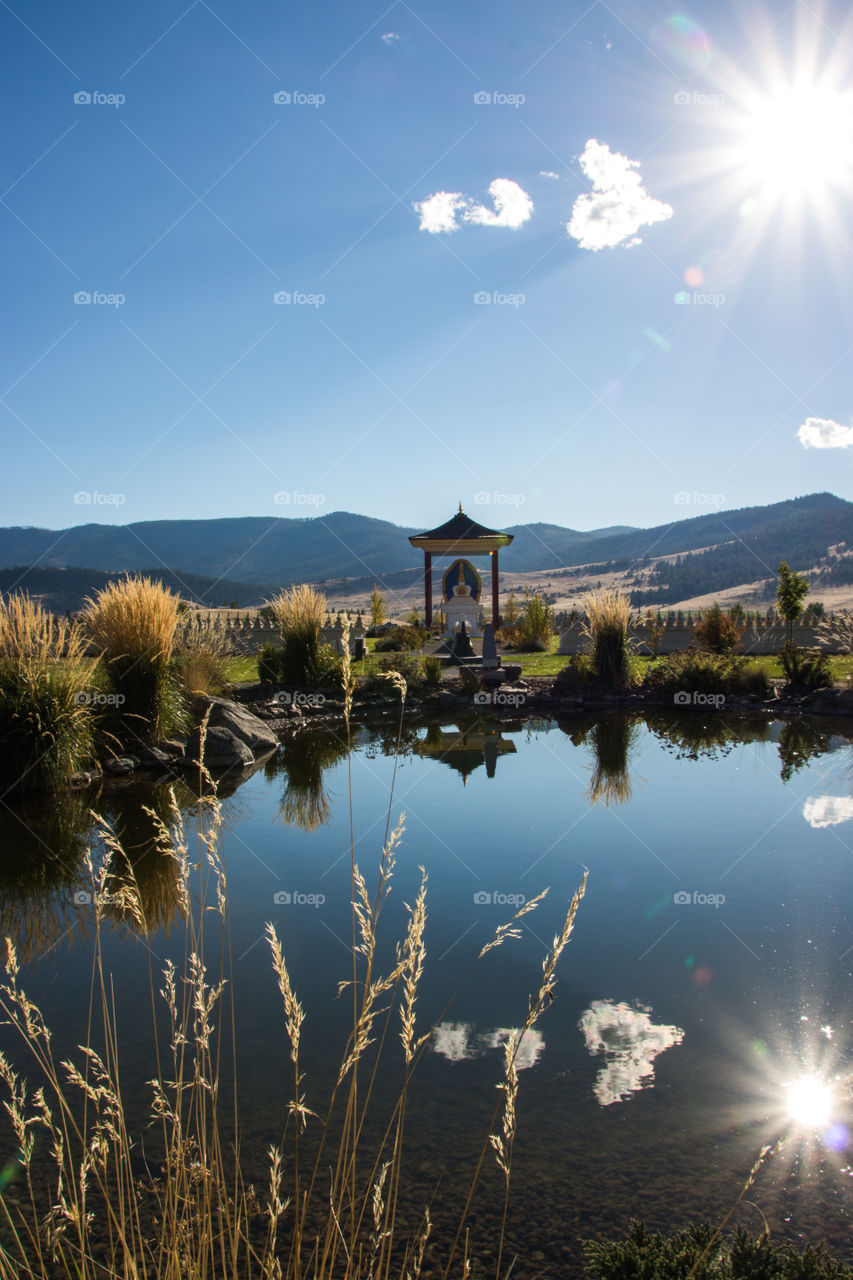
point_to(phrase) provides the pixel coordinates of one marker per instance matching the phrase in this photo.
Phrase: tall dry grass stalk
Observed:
(607, 620)
(133, 622)
(46, 728)
(332, 1210)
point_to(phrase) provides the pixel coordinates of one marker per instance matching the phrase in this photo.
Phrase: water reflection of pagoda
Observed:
(466, 748)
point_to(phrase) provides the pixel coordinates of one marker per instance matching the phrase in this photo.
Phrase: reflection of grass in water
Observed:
(42, 867)
(611, 739)
(142, 872)
(304, 803)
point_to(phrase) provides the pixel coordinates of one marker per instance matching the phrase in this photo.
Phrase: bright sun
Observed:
(798, 142)
(810, 1102)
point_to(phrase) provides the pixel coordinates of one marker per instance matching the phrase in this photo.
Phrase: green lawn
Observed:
(245, 667)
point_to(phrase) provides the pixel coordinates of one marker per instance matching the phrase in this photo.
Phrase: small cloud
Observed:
(513, 206)
(447, 210)
(828, 811)
(391, 38)
(823, 433)
(548, 173)
(617, 206)
(438, 212)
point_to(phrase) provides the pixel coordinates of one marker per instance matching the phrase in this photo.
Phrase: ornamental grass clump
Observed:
(46, 723)
(299, 612)
(133, 622)
(606, 625)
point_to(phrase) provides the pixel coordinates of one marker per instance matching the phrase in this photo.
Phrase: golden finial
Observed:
(461, 512)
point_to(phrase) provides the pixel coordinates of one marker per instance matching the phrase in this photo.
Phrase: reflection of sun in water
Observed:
(810, 1102)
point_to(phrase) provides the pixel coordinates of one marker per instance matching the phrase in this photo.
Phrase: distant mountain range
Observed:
(244, 559)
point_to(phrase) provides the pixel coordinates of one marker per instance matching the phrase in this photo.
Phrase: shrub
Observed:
(717, 631)
(133, 623)
(695, 671)
(201, 651)
(326, 669)
(805, 668)
(575, 675)
(432, 668)
(531, 627)
(701, 1253)
(46, 723)
(269, 664)
(408, 667)
(398, 639)
(469, 680)
(608, 618)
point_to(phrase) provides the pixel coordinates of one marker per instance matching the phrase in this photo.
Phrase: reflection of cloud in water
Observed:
(458, 1042)
(532, 1046)
(453, 1041)
(630, 1041)
(828, 811)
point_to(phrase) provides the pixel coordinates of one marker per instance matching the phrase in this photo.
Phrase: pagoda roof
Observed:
(461, 535)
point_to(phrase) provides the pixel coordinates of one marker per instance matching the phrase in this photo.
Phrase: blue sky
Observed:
(700, 357)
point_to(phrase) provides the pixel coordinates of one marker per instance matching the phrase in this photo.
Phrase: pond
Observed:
(707, 977)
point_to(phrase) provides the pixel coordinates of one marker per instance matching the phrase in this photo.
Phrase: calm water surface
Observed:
(709, 970)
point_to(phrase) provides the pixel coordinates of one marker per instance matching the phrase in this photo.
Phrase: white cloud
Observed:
(823, 433)
(447, 210)
(391, 38)
(438, 212)
(630, 1042)
(617, 206)
(549, 173)
(513, 206)
(828, 811)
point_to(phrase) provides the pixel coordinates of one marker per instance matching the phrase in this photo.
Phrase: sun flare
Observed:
(797, 142)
